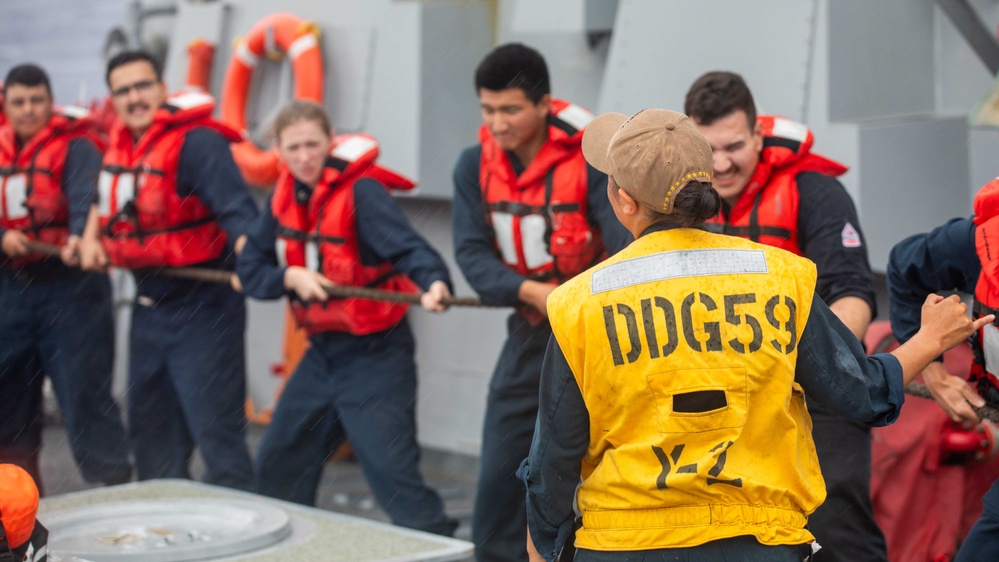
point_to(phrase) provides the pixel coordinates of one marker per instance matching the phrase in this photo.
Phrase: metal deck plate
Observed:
(168, 530)
(316, 534)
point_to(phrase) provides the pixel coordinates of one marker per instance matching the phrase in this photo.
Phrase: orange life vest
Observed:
(31, 195)
(767, 209)
(539, 218)
(322, 236)
(985, 343)
(144, 221)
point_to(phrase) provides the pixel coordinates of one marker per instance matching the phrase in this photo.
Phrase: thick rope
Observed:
(48, 250)
(220, 276)
(921, 391)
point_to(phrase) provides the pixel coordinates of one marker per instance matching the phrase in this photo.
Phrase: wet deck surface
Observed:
(343, 488)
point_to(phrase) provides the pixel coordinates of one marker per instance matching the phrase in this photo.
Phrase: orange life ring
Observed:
(274, 36)
(199, 66)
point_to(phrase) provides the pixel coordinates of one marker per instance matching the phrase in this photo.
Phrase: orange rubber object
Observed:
(274, 36)
(200, 54)
(18, 504)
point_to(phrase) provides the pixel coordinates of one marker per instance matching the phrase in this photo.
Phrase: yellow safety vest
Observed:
(684, 346)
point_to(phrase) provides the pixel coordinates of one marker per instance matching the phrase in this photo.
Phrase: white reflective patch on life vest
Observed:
(124, 192)
(790, 129)
(312, 256)
(300, 45)
(33, 555)
(575, 116)
(851, 238)
(990, 344)
(74, 111)
(104, 182)
(503, 229)
(15, 195)
(281, 249)
(189, 99)
(676, 265)
(532, 237)
(353, 147)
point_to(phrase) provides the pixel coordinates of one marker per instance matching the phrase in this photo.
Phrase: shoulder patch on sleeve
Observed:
(851, 238)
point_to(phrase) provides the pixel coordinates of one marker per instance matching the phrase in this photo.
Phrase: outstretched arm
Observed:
(835, 371)
(942, 260)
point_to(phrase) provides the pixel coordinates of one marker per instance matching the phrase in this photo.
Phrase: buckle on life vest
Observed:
(556, 209)
(988, 388)
(128, 215)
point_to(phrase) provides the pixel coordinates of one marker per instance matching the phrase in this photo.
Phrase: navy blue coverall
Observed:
(499, 523)
(187, 359)
(942, 260)
(361, 388)
(57, 321)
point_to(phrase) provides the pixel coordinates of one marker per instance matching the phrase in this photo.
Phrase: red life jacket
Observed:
(985, 343)
(322, 236)
(767, 209)
(539, 218)
(144, 221)
(31, 195)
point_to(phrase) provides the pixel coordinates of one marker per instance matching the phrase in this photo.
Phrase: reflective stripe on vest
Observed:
(15, 196)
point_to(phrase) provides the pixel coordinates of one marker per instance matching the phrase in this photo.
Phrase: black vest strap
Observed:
(754, 218)
(5, 553)
(11, 170)
(747, 231)
(128, 214)
(140, 169)
(981, 309)
(521, 210)
(302, 236)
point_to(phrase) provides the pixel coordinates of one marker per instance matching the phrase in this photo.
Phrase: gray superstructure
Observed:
(886, 87)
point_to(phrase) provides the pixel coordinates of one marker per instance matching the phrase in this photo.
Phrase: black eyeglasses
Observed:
(139, 87)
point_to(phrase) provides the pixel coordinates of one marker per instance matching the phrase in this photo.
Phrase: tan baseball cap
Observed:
(652, 155)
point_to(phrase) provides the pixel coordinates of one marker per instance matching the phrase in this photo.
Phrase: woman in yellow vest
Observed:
(672, 409)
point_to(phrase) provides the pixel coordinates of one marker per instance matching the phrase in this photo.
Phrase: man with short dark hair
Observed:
(775, 191)
(56, 319)
(528, 214)
(170, 195)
